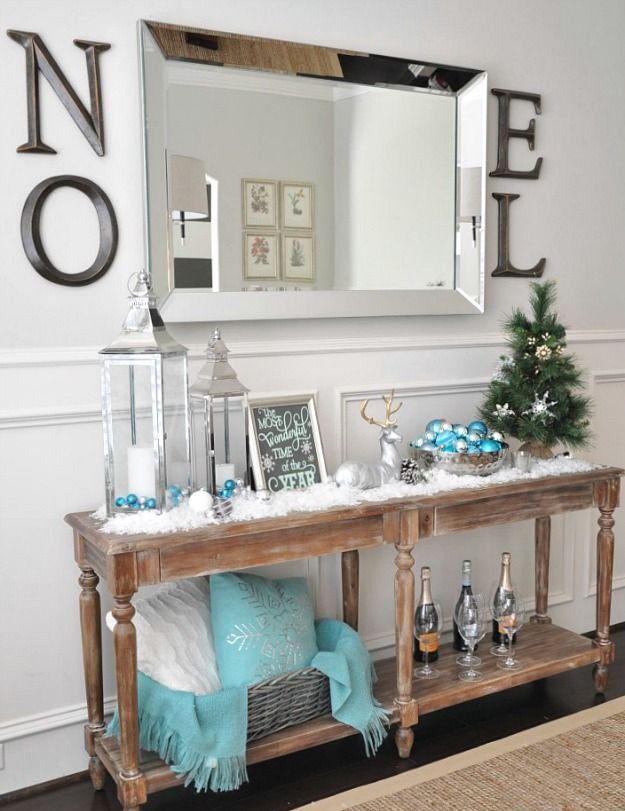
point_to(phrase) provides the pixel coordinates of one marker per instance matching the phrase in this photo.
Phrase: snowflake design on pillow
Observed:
(277, 632)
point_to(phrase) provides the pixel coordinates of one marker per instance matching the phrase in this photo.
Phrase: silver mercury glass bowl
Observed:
(472, 464)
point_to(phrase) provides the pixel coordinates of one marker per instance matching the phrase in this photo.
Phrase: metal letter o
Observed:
(31, 236)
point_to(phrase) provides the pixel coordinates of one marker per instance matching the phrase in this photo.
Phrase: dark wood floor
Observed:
(298, 779)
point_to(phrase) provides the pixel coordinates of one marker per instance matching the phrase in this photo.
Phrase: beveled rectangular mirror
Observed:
(285, 180)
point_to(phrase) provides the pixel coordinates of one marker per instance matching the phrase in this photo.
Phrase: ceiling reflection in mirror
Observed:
(260, 181)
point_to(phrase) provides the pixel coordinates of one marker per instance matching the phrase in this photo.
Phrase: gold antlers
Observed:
(388, 422)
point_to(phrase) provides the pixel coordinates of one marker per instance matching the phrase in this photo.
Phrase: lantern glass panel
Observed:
(220, 440)
(175, 422)
(132, 452)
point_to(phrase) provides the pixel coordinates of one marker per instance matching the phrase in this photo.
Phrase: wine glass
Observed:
(512, 614)
(496, 603)
(427, 630)
(471, 617)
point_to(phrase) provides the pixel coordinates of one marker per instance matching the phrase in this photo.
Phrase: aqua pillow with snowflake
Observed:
(261, 628)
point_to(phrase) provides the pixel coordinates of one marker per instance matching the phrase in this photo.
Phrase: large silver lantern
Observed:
(145, 410)
(219, 414)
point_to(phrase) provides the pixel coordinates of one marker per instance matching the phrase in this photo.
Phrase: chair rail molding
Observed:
(56, 718)
(86, 355)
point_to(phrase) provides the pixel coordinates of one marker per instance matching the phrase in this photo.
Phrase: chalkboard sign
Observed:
(286, 445)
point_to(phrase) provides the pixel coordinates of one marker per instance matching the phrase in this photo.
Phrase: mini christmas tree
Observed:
(535, 392)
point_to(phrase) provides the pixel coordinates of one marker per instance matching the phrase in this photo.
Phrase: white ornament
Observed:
(543, 352)
(503, 410)
(503, 364)
(540, 407)
(200, 502)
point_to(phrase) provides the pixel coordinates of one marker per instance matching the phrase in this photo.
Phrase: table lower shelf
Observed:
(544, 650)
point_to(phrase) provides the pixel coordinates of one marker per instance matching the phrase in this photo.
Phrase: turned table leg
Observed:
(607, 501)
(541, 565)
(404, 636)
(349, 571)
(131, 783)
(90, 626)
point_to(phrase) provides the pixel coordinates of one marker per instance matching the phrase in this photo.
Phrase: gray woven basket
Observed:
(286, 700)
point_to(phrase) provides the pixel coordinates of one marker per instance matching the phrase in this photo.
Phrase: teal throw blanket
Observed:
(203, 738)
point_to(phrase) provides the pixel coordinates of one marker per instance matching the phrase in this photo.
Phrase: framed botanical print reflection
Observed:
(298, 257)
(259, 203)
(296, 204)
(260, 255)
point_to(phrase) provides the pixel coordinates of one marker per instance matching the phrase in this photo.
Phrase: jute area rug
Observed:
(576, 763)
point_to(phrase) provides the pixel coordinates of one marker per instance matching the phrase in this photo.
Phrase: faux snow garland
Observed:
(325, 496)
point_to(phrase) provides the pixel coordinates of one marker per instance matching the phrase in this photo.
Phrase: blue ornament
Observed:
(120, 501)
(474, 437)
(446, 426)
(174, 490)
(460, 430)
(444, 438)
(473, 449)
(136, 506)
(428, 446)
(429, 436)
(461, 445)
(131, 499)
(229, 484)
(490, 446)
(447, 448)
(434, 426)
(150, 503)
(478, 425)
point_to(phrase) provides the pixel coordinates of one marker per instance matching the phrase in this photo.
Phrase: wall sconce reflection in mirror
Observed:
(192, 201)
(188, 191)
(470, 182)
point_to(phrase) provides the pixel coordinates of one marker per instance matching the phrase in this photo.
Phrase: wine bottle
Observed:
(459, 643)
(503, 592)
(426, 616)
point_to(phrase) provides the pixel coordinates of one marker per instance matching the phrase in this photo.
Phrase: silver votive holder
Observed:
(522, 461)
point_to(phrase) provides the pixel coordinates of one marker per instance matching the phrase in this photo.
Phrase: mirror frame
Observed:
(181, 43)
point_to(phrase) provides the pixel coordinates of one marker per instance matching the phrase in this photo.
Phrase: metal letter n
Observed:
(39, 58)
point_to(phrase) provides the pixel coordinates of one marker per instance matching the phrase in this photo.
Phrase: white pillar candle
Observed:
(141, 472)
(223, 473)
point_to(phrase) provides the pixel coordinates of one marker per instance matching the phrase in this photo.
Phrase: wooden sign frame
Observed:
(285, 443)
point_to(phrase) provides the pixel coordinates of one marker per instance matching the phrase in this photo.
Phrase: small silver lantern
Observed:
(219, 419)
(145, 410)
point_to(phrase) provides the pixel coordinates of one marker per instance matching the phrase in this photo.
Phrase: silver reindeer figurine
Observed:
(364, 475)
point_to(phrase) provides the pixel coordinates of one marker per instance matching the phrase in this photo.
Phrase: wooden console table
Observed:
(129, 562)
